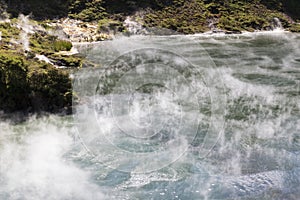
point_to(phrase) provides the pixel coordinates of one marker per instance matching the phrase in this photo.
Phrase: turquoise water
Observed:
(168, 117)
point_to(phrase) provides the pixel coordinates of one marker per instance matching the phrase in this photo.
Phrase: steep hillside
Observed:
(188, 16)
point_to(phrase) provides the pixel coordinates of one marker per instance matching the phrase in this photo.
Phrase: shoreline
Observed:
(22, 115)
(41, 59)
(205, 34)
(48, 41)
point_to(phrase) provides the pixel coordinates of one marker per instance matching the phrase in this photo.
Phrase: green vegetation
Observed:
(28, 84)
(50, 88)
(31, 85)
(87, 10)
(189, 16)
(186, 17)
(13, 82)
(65, 60)
(107, 25)
(62, 45)
(8, 32)
(197, 15)
(295, 28)
(47, 44)
(42, 43)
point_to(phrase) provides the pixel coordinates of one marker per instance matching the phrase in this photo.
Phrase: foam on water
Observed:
(255, 154)
(141, 143)
(251, 129)
(33, 165)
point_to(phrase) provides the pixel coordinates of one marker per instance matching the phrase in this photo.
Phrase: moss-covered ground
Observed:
(28, 84)
(196, 16)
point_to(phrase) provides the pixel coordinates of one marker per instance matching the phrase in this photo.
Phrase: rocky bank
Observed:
(37, 53)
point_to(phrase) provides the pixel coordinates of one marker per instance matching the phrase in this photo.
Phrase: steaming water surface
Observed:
(151, 142)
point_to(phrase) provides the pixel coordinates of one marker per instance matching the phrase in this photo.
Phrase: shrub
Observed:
(62, 45)
(13, 82)
(87, 10)
(31, 85)
(295, 28)
(108, 25)
(50, 88)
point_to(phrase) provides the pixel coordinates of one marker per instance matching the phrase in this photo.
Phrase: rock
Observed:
(133, 26)
(78, 31)
(29, 85)
(233, 32)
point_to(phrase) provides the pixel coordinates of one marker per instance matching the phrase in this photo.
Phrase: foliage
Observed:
(66, 61)
(87, 10)
(108, 25)
(42, 43)
(62, 45)
(31, 84)
(8, 32)
(129, 7)
(50, 88)
(13, 82)
(46, 44)
(295, 28)
(235, 15)
(28, 84)
(189, 17)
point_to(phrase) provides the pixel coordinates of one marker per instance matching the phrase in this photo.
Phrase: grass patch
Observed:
(62, 45)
